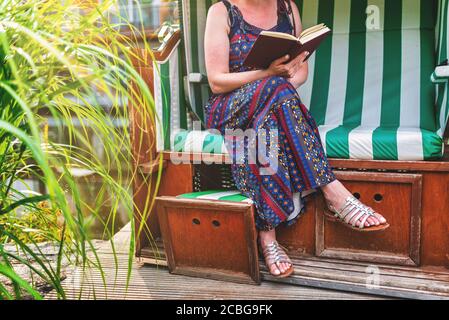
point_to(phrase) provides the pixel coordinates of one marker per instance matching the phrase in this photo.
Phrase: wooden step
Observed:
(343, 275)
(411, 283)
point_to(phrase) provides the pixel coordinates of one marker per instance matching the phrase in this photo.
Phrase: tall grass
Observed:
(55, 58)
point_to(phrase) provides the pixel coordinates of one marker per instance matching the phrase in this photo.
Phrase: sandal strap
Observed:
(365, 218)
(273, 254)
(353, 210)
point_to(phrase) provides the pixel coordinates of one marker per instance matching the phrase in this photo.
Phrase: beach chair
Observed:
(378, 91)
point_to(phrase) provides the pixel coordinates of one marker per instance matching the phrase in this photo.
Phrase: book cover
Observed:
(270, 46)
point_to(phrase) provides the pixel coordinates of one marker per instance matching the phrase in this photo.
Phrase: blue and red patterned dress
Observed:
(269, 104)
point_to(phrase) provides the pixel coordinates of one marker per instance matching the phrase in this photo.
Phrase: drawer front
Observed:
(209, 239)
(395, 196)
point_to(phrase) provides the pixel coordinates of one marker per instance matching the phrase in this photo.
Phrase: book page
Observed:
(280, 35)
(312, 36)
(312, 30)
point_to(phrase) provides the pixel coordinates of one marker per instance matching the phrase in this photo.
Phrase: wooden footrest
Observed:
(373, 279)
(351, 276)
(209, 238)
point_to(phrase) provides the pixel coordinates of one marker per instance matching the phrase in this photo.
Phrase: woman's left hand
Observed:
(295, 65)
(298, 70)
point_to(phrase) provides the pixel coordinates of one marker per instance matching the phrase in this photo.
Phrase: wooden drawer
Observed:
(208, 238)
(398, 198)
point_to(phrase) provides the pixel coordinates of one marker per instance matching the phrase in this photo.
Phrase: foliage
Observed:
(34, 226)
(56, 59)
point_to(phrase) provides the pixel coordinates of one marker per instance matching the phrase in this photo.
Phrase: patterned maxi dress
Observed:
(269, 104)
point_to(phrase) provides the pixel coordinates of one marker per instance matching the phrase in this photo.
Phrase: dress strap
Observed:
(228, 6)
(285, 7)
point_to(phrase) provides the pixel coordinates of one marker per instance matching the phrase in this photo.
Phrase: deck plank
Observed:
(151, 282)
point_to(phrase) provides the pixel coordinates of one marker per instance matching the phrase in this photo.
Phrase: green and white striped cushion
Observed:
(194, 13)
(199, 142)
(403, 143)
(221, 195)
(409, 145)
(368, 86)
(169, 98)
(442, 101)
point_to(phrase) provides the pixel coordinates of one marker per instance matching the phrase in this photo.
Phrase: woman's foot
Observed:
(267, 240)
(336, 195)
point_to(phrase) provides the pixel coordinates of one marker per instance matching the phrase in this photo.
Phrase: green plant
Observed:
(34, 226)
(56, 57)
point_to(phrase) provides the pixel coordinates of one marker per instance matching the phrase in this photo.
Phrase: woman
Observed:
(266, 100)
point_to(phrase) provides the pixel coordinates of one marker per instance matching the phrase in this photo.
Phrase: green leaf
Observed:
(24, 201)
(13, 276)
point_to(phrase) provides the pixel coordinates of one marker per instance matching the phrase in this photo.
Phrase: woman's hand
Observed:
(296, 64)
(279, 67)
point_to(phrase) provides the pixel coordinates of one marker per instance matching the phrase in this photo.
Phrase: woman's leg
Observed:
(265, 238)
(273, 105)
(336, 194)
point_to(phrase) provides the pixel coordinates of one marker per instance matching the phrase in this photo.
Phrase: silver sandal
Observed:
(353, 210)
(274, 254)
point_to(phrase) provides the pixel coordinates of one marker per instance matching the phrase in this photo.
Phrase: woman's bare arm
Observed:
(216, 44)
(301, 69)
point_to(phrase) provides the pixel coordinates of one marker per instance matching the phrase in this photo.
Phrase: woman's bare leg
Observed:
(266, 237)
(336, 194)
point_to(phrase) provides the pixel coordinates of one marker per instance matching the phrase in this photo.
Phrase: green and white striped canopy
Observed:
(442, 110)
(369, 85)
(169, 98)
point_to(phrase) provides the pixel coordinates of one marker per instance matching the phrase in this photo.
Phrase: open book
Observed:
(270, 45)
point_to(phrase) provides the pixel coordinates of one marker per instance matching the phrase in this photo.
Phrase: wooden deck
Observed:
(150, 283)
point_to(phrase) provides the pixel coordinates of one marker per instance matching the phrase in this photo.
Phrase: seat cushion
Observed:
(404, 143)
(199, 141)
(377, 143)
(222, 195)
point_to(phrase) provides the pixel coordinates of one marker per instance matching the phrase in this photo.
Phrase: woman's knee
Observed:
(276, 79)
(279, 82)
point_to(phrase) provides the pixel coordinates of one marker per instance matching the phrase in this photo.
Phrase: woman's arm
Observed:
(216, 44)
(301, 70)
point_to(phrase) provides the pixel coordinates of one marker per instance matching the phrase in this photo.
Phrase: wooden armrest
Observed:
(442, 71)
(165, 49)
(441, 74)
(144, 58)
(152, 166)
(197, 78)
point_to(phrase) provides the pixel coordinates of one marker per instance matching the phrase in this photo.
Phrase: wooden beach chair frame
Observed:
(411, 258)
